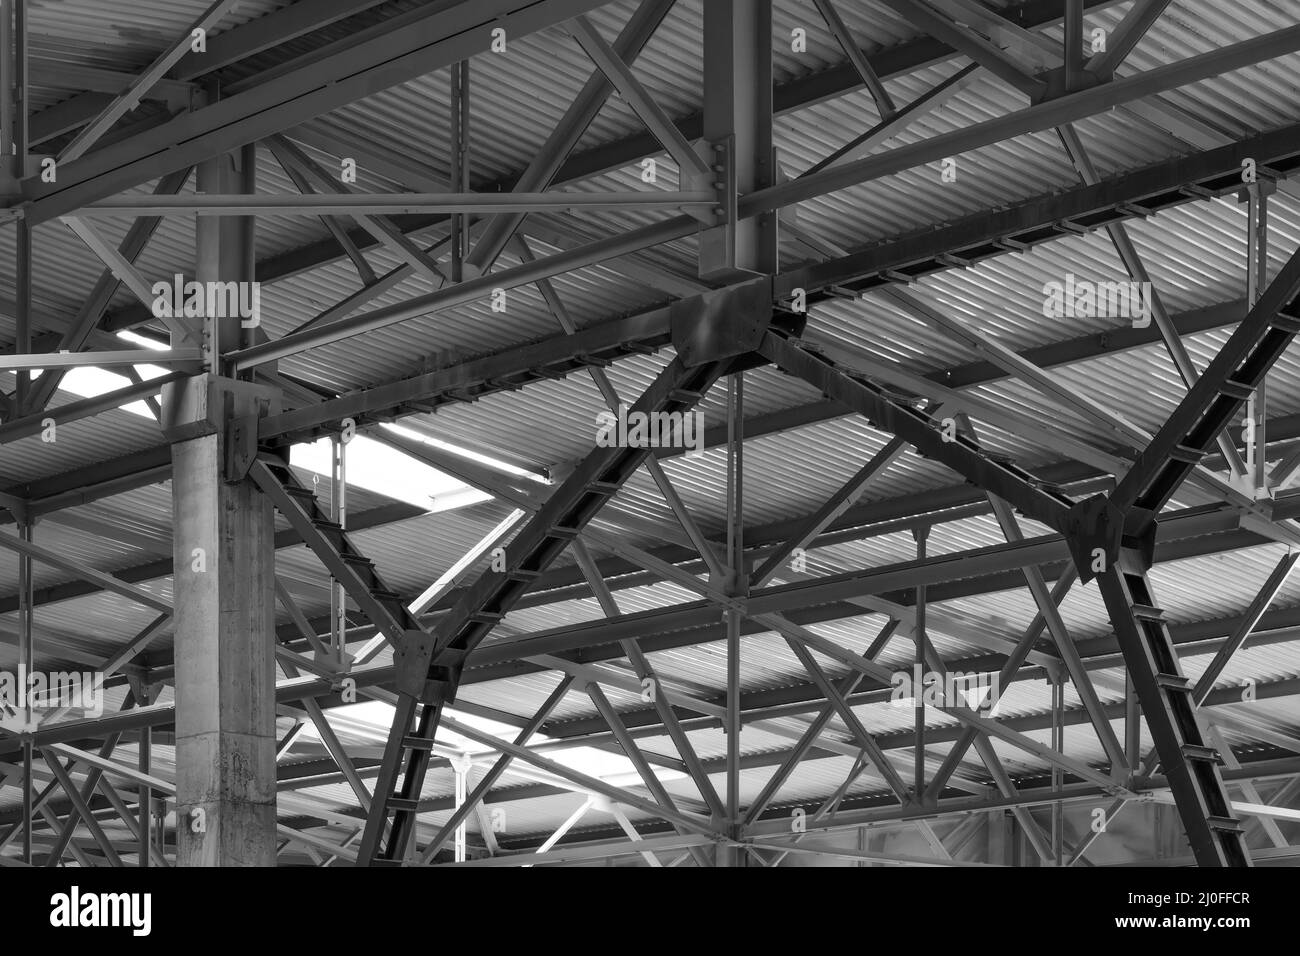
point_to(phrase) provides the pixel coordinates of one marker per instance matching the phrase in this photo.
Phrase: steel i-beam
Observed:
(1166, 696)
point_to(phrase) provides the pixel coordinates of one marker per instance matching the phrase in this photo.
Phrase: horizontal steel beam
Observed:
(387, 204)
(191, 358)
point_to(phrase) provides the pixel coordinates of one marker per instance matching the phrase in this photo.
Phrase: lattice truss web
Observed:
(742, 433)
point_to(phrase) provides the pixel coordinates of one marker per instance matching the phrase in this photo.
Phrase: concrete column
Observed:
(224, 594)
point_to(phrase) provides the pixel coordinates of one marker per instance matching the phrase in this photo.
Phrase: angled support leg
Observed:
(1166, 696)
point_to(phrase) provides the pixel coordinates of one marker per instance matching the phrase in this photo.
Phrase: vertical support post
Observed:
(144, 693)
(28, 802)
(26, 662)
(339, 513)
(13, 36)
(1058, 778)
(7, 97)
(461, 766)
(239, 237)
(736, 586)
(160, 826)
(1073, 43)
(738, 127)
(1256, 280)
(459, 164)
(23, 319)
(921, 534)
(224, 583)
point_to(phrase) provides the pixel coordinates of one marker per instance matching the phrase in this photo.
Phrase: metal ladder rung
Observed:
(1234, 389)
(1225, 824)
(403, 804)
(1147, 612)
(1201, 752)
(560, 531)
(684, 395)
(411, 742)
(1173, 682)
(1188, 454)
(1287, 323)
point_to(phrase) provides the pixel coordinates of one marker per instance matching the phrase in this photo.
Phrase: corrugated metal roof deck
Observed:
(1195, 255)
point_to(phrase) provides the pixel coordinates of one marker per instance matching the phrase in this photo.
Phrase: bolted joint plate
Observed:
(411, 663)
(1094, 525)
(724, 324)
(1124, 539)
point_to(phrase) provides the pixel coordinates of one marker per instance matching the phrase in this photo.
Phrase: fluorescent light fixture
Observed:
(143, 341)
(495, 463)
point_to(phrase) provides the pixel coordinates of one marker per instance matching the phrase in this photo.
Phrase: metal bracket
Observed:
(241, 448)
(1091, 529)
(718, 325)
(717, 238)
(241, 443)
(411, 664)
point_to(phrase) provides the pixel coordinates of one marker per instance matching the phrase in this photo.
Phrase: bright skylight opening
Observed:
(86, 381)
(387, 471)
(375, 718)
